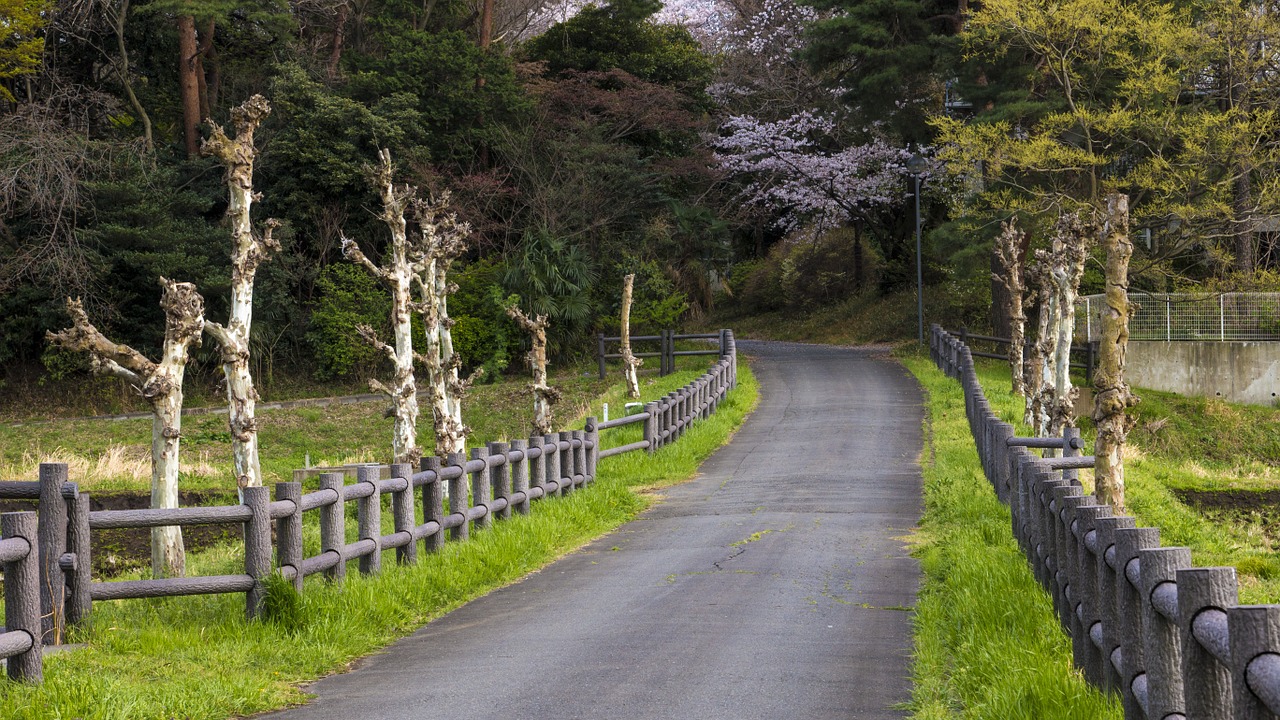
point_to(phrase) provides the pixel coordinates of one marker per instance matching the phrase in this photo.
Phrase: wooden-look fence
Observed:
(1169, 638)
(46, 554)
(666, 352)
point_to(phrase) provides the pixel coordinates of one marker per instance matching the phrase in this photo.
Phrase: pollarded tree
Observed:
(442, 238)
(1111, 393)
(629, 361)
(1039, 283)
(1071, 250)
(1009, 249)
(1057, 275)
(161, 385)
(248, 251)
(397, 274)
(544, 396)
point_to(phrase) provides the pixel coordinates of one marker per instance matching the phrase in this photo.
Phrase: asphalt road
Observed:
(775, 585)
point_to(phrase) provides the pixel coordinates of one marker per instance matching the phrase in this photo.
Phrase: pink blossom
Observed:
(794, 166)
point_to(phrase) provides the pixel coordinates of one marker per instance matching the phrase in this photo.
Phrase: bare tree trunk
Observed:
(339, 36)
(247, 253)
(189, 83)
(486, 26)
(397, 274)
(161, 385)
(1008, 253)
(203, 52)
(442, 239)
(1111, 393)
(1073, 249)
(1033, 375)
(629, 362)
(544, 396)
(1046, 344)
(121, 66)
(456, 387)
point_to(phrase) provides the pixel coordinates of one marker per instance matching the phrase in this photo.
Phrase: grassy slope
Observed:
(1189, 443)
(116, 455)
(196, 657)
(988, 644)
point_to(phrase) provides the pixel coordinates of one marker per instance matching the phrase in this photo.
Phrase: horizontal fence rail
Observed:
(47, 558)
(1169, 638)
(666, 352)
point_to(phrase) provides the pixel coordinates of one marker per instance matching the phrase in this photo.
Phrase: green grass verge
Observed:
(198, 658)
(987, 642)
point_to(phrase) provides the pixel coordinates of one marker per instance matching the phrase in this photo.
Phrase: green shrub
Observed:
(656, 302)
(807, 272)
(483, 335)
(347, 296)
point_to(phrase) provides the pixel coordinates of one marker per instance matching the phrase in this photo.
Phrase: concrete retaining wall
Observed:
(1246, 372)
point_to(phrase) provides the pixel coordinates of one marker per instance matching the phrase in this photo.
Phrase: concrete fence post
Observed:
(79, 601)
(1070, 436)
(551, 462)
(1088, 517)
(537, 465)
(673, 416)
(1072, 502)
(1064, 501)
(22, 596)
(1130, 607)
(369, 518)
(433, 503)
(579, 457)
(53, 543)
(1003, 432)
(482, 489)
(1162, 641)
(257, 546)
(1108, 584)
(651, 427)
(333, 525)
(500, 477)
(1202, 593)
(289, 532)
(404, 513)
(592, 435)
(1255, 631)
(566, 461)
(1045, 541)
(458, 499)
(520, 474)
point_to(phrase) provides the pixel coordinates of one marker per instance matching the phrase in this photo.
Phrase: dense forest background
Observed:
(745, 156)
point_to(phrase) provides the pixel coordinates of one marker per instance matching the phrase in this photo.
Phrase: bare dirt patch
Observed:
(1261, 507)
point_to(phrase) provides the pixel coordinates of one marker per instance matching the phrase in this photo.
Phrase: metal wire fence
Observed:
(1187, 316)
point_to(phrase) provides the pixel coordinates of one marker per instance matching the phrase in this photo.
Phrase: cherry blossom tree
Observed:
(794, 166)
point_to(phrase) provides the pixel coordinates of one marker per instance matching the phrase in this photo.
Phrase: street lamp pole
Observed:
(919, 269)
(916, 166)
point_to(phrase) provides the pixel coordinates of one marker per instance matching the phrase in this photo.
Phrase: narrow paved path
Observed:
(776, 585)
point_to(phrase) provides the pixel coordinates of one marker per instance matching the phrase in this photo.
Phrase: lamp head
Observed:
(917, 165)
